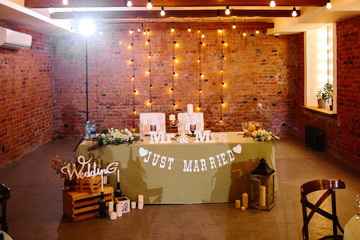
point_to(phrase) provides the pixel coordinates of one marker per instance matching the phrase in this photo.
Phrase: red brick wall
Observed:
(342, 132)
(26, 110)
(259, 69)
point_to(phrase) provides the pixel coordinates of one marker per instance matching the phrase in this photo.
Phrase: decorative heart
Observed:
(237, 149)
(143, 152)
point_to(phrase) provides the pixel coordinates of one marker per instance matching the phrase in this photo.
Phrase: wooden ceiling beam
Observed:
(171, 14)
(172, 3)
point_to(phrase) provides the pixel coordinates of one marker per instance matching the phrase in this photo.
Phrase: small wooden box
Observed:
(79, 206)
(125, 203)
(89, 185)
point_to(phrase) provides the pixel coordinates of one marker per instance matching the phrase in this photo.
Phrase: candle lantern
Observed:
(262, 187)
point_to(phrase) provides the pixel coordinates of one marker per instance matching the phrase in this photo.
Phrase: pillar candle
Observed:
(118, 210)
(111, 206)
(245, 200)
(133, 205)
(113, 215)
(242, 208)
(190, 109)
(262, 196)
(118, 175)
(140, 205)
(140, 199)
(237, 203)
(102, 183)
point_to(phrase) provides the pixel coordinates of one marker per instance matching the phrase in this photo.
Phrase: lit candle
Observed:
(262, 196)
(133, 205)
(140, 199)
(118, 175)
(237, 203)
(245, 200)
(118, 210)
(242, 208)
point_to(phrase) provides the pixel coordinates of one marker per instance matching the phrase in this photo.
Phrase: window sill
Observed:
(324, 111)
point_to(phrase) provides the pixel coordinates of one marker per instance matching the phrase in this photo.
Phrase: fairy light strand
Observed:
(199, 76)
(150, 80)
(173, 68)
(133, 81)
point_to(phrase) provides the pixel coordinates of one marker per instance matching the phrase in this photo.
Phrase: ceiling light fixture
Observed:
(272, 3)
(65, 2)
(162, 13)
(86, 27)
(129, 3)
(328, 4)
(294, 13)
(227, 11)
(149, 5)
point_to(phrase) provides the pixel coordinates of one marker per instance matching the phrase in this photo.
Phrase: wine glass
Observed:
(192, 129)
(245, 127)
(358, 203)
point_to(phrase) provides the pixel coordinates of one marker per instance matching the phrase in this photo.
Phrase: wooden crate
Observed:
(79, 206)
(89, 185)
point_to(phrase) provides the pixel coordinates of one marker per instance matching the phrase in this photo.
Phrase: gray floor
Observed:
(35, 206)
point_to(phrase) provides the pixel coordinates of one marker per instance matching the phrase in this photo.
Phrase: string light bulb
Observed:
(201, 75)
(131, 31)
(133, 77)
(149, 5)
(200, 90)
(234, 26)
(172, 29)
(162, 13)
(199, 60)
(272, 3)
(189, 29)
(227, 11)
(294, 13)
(148, 31)
(244, 34)
(65, 2)
(175, 60)
(328, 4)
(129, 3)
(131, 44)
(220, 30)
(144, 32)
(257, 31)
(203, 35)
(225, 44)
(139, 29)
(199, 30)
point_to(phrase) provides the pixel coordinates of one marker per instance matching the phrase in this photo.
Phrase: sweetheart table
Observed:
(185, 173)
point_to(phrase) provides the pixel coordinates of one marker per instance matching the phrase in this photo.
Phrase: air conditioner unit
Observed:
(14, 40)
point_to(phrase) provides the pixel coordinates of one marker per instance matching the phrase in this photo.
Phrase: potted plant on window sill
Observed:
(324, 94)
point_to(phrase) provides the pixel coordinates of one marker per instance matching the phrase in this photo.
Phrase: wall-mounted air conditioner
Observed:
(14, 40)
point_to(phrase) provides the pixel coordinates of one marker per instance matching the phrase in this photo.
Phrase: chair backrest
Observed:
(147, 119)
(4, 196)
(186, 119)
(316, 185)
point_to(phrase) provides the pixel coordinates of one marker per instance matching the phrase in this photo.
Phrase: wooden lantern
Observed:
(262, 187)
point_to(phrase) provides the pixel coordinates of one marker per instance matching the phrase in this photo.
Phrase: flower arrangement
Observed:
(325, 92)
(264, 136)
(57, 164)
(114, 136)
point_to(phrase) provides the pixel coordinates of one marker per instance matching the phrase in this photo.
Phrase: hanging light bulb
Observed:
(129, 3)
(227, 11)
(234, 26)
(144, 32)
(244, 34)
(149, 5)
(139, 29)
(133, 77)
(65, 2)
(148, 31)
(131, 31)
(257, 31)
(220, 30)
(294, 13)
(225, 44)
(172, 29)
(199, 30)
(203, 35)
(328, 4)
(189, 29)
(51, 9)
(162, 13)
(199, 60)
(272, 3)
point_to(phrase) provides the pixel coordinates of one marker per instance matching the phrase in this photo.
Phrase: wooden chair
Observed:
(316, 185)
(4, 196)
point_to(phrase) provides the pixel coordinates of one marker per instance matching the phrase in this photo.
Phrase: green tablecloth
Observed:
(221, 176)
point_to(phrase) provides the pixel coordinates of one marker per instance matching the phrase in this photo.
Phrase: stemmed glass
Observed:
(192, 129)
(358, 203)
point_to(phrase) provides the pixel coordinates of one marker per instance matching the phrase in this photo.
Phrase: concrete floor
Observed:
(35, 206)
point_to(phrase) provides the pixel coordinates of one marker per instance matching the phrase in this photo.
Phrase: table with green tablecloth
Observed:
(184, 173)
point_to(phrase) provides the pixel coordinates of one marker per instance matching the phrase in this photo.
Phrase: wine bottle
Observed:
(102, 202)
(102, 206)
(117, 190)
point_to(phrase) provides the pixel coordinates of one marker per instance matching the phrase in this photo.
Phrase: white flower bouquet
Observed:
(264, 136)
(114, 136)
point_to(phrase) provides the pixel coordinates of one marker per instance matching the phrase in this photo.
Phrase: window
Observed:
(320, 64)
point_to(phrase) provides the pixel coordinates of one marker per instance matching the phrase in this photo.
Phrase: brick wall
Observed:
(260, 73)
(342, 132)
(26, 110)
